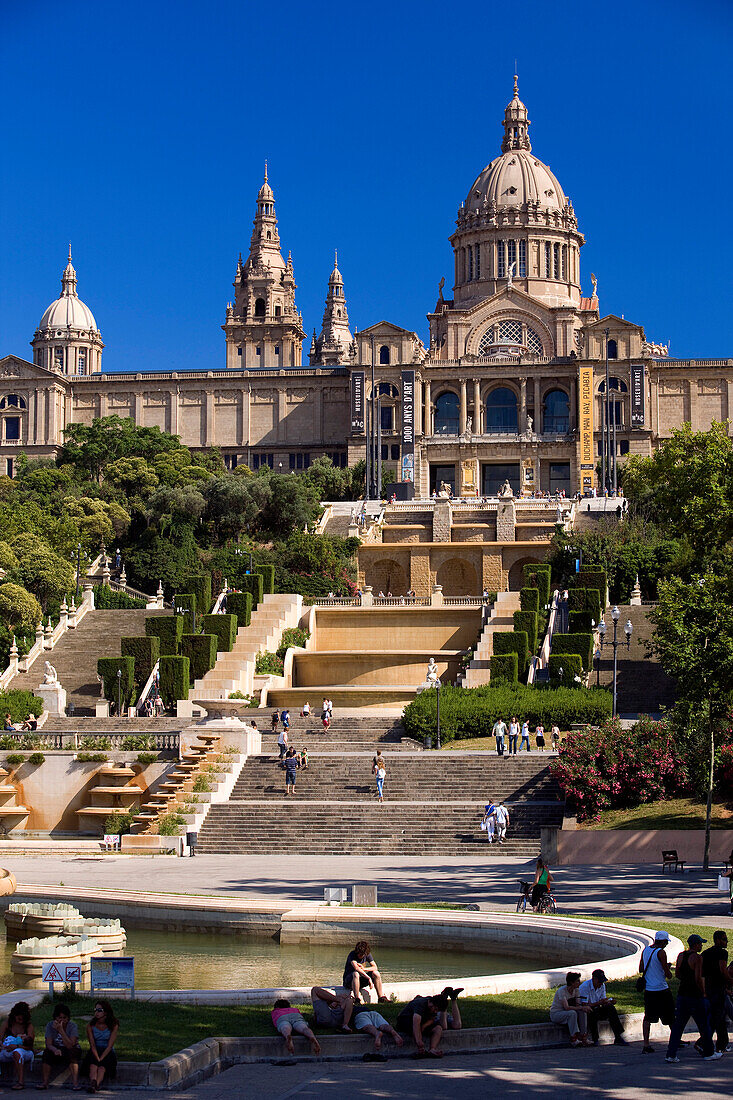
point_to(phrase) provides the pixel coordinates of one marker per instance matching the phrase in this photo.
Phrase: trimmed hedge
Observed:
(200, 585)
(201, 652)
(107, 668)
(537, 575)
(585, 599)
(513, 641)
(168, 629)
(174, 680)
(575, 643)
(239, 604)
(529, 599)
(592, 577)
(184, 604)
(471, 712)
(254, 584)
(144, 652)
(224, 629)
(571, 666)
(504, 667)
(267, 572)
(109, 599)
(527, 621)
(581, 622)
(20, 704)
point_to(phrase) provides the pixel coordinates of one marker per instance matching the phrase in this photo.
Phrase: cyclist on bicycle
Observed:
(542, 882)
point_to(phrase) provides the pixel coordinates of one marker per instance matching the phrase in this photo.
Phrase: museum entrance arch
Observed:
(458, 578)
(386, 575)
(516, 579)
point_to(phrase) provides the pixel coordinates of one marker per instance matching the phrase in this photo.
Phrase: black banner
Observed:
(357, 401)
(637, 395)
(408, 426)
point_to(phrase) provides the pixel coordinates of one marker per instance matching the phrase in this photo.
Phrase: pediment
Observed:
(612, 319)
(385, 328)
(12, 366)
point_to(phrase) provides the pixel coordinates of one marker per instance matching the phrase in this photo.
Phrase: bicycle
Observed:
(546, 904)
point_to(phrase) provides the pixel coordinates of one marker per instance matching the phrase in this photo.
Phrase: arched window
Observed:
(556, 412)
(501, 411)
(615, 413)
(612, 349)
(260, 307)
(12, 401)
(269, 236)
(614, 384)
(446, 414)
(384, 354)
(278, 311)
(386, 389)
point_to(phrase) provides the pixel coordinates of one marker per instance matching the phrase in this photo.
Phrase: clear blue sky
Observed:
(138, 131)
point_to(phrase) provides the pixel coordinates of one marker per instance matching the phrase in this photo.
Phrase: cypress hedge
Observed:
(201, 652)
(144, 652)
(513, 641)
(527, 621)
(168, 629)
(591, 576)
(254, 584)
(200, 585)
(184, 604)
(585, 599)
(537, 575)
(239, 604)
(571, 666)
(580, 622)
(575, 643)
(224, 629)
(267, 572)
(504, 666)
(107, 668)
(529, 599)
(174, 680)
(471, 712)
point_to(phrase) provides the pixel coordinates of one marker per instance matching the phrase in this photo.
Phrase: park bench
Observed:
(670, 859)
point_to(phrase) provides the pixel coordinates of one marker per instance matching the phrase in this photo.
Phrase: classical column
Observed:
(692, 390)
(463, 409)
(537, 405)
(209, 413)
(244, 436)
(476, 407)
(138, 405)
(173, 404)
(427, 410)
(522, 404)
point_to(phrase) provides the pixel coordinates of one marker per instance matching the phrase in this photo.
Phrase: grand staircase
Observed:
(76, 655)
(501, 619)
(643, 687)
(433, 801)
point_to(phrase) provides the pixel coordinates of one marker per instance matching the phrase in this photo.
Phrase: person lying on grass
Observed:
(375, 1025)
(287, 1020)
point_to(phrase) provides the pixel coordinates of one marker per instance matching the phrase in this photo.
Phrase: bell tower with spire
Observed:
(333, 346)
(263, 327)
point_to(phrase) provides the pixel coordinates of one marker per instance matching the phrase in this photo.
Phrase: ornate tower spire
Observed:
(516, 123)
(68, 279)
(332, 346)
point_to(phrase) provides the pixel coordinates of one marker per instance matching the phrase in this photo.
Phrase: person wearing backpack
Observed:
(654, 983)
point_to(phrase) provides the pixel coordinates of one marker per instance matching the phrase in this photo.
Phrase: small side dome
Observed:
(68, 311)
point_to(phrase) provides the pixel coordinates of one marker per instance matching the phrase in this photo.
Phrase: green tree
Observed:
(132, 476)
(91, 447)
(19, 609)
(693, 639)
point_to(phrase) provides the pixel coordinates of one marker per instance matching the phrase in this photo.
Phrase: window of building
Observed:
(556, 412)
(486, 341)
(522, 259)
(623, 447)
(385, 451)
(548, 260)
(58, 358)
(239, 351)
(510, 332)
(12, 401)
(533, 342)
(291, 461)
(259, 460)
(494, 474)
(278, 311)
(511, 256)
(386, 389)
(501, 411)
(470, 263)
(277, 349)
(260, 307)
(440, 474)
(9, 467)
(387, 418)
(12, 427)
(612, 349)
(384, 355)
(613, 384)
(556, 261)
(258, 351)
(564, 257)
(477, 257)
(446, 414)
(500, 260)
(560, 476)
(269, 235)
(81, 361)
(394, 452)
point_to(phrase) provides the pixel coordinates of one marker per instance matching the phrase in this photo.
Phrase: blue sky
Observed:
(138, 131)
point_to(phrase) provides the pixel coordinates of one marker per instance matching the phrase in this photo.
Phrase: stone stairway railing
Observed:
(48, 637)
(501, 618)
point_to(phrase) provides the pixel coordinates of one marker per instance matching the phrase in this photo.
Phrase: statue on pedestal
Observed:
(50, 675)
(506, 490)
(432, 676)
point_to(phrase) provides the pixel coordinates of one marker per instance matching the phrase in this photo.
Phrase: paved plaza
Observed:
(639, 891)
(607, 1071)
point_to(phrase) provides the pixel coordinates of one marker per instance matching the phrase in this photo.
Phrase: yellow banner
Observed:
(587, 457)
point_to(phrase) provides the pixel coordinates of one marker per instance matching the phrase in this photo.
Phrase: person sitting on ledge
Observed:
(360, 972)
(374, 1024)
(332, 1009)
(565, 1010)
(287, 1020)
(428, 1017)
(592, 993)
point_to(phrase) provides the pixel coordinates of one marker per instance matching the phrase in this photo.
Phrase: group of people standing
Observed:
(515, 734)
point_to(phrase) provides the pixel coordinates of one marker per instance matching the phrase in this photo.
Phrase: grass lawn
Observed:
(150, 1031)
(673, 813)
(466, 743)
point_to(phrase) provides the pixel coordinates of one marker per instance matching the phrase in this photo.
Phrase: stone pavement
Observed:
(607, 1071)
(487, 880)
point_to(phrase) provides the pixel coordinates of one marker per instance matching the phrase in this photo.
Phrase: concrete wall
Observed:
(604, 846)
(394, 669)
(56, 789)
(400, 628)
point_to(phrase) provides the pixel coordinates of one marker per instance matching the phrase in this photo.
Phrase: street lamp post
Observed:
(119, 692)
(437, 713)
(78, 569)
(628, 631)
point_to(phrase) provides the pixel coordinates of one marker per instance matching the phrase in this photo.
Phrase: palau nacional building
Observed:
(509, 387)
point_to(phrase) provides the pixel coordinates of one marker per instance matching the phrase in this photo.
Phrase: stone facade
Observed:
(498, 392)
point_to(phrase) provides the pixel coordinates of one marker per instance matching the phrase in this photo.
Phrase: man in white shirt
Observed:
(501, 815)
(499, 732)
(599, 1006)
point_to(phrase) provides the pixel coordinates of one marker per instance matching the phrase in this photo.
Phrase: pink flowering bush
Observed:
(605, 767)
